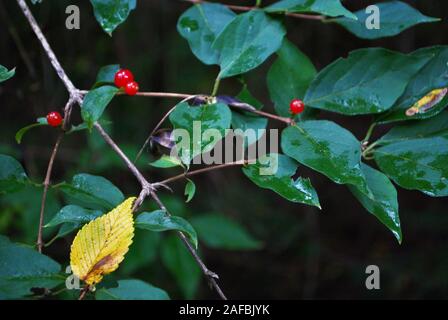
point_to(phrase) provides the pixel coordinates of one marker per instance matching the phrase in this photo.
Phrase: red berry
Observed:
(131, 88)
(296, 106)
(54, 119)
(123, 77)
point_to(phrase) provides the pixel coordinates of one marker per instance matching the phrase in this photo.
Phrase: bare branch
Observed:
(203, 170)
(144, 183)
(173, 95)
(44, 193)
(67, 112)
(212, 277)
(245, 8)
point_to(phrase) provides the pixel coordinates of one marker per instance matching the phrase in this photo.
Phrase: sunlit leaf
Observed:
(100, 245)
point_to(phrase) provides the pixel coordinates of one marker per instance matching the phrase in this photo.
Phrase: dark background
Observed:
(306, 253)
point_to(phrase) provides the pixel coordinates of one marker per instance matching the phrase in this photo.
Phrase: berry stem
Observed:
(288, 121)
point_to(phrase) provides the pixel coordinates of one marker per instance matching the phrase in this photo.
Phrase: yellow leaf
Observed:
(100, 245)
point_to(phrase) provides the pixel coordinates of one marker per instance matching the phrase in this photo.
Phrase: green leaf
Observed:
(12, 175)
(166, 162)
(132, 289)
(327, 148)
(23, 268)
(383, 204)
(252, 127)
(275, 172)
(74, 214)
(159, 221)
(93, 192)
(436, 126)
(417, 163)
(331, 8)
(84, 126)
(21, 132)
(247, 42)
(194, 121)
(395, 17)
(66, 229)
(106, 75)
(190, 190)
(242, 120)
(218, 231)
(5, 74)
(368, 81)
(111, 13)
(432, 76)
(181, 265)
(289, 77)
(200, 25)
(95, 102)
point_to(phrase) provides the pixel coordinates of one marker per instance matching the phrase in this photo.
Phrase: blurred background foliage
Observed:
(280, 249)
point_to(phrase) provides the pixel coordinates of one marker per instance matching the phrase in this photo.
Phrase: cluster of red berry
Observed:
(125, 79)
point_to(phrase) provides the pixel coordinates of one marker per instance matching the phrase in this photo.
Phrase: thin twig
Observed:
(246, 8)
(44, 194)
(173, 95)
(83, 293)
(157, 128)
(212, 277)
(199, 171)
(152, 133)
(144, 183)
(288, 121)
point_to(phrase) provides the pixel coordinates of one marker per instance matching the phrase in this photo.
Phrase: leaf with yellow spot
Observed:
(100, 245)
(427, 102)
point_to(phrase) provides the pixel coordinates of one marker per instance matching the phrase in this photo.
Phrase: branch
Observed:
(245, 8)
(44, 193)
(151, 94)
(157, 128)
(153, 132)
(46, 183)
(212, 277)
(199, 171)
(148, 189)
(144, 183)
